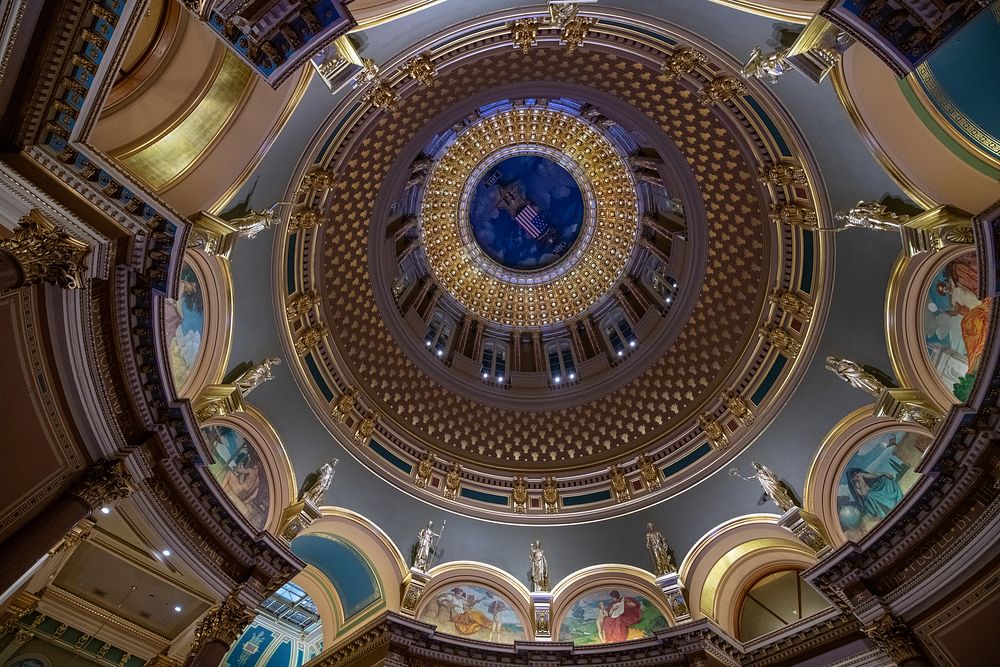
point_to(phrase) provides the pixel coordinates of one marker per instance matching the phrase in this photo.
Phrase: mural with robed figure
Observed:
(240, 472)
(184, 324)
(474, 611)
(606, 615)
(876, 478)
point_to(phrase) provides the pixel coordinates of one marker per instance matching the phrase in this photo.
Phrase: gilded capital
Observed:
(224, 622)
(46, 253)
(893, 638)
(104, 483)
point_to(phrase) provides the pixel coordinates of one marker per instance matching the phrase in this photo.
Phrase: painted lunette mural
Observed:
(875, 479)
(956, 324)
(184, 325)
(240, 472)
(609, 615)
(474, 611)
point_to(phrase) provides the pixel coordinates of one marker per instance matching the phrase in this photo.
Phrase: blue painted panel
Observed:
(769, 124)
(686, 460)
(250, 647)
(318, 377)
(350, 574)
(769, 379)
(483, 497)
(381, 450)
(290, 263)
(586, 498)
(806, 280)
(282, 656)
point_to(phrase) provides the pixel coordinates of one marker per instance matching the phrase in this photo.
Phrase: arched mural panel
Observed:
(610, 614)
(863, 469)
(353, 578)
(473, 610)
(936, 326)
(196, 326)
(250, 465)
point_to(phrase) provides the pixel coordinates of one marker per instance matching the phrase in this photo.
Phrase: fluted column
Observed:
(103, 484)
(219, 628)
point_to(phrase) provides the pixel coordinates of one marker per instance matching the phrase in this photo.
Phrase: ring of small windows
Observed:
(494, 358)
(619, 333)
(562, 366)
(439, 331)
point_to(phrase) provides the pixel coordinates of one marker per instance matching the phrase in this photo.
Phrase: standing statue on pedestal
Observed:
(425, 547)
(766, 67)
(254, 222)
(659, 551)
(254, 375)
(868, 379)
(316, 483)
(539, 568)
(775, 490)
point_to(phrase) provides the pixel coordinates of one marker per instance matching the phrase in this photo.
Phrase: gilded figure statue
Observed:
(783, 174)
(425, 466)
(254, 222)
(619, 485)
(775, 490)
(738, 407)
(649, 474)
(722, 89)
(452, 481)
(683, 61)
(519, 495)
(714, 432)
(365, 430)
(309, 338)
(791, 303)
(256, 375)
(659, 551)
(868, 379)
(870, 215)
(301, 303)
(782, 339)
(523, 33)
(550, 496)
(316, 483)
(539, 568)
(421, 68)
(345, 404)
(791, 214)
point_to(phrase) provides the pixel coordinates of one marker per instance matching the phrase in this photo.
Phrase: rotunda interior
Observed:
(441, 332)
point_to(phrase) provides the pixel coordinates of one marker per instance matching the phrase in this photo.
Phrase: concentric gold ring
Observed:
(584, 283)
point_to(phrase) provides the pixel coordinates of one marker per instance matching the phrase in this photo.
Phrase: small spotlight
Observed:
(165, 552)
(439, 353)
(105, 510)
(669, 299)
(631, 343)
(557, 379)
(572, 376)
(500, 379)
(485, 375)
(178, 608)
(620, 353)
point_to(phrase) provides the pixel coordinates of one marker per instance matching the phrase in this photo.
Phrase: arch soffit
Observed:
(448, 574)
(320, 590)
(216, 283)
(581, 582)
(823, 477)
(378, 548)
(277, 468)
(904, 321)
(729, 555)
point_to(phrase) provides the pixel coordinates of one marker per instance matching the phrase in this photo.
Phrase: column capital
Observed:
(225, 622)
(45, 253)
(893, 637)
(104, 483)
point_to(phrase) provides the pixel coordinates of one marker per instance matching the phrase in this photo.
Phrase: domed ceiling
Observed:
(521, 199)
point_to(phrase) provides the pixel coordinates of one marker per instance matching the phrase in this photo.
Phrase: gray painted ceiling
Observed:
(854, 329)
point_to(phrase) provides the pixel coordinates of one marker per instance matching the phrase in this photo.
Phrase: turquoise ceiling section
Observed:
(960, 79)
(351, 575)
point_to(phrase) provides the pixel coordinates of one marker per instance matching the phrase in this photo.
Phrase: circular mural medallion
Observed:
(526, 212)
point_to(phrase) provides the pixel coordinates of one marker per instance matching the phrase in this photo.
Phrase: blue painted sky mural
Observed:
(526, 212)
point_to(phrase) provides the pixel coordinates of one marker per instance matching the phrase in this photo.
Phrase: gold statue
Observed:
(381, 96)
(790, 214)
(860, 376)
(683, 61)
(316, 483)
(344, 404)
(783, 174)
(619, 485)
(775, 490)
(307, 218)
(721, 89)
(649, 473)
(425, 466)
(523, 33)
(659, 551)
(738, 407)
(425, 546)
(421, 68)
(713, 431)
(255, 375)
(766, 67)
(364, 431)
(870, 215)
(539, 568)
(254, 222)
(301, 303)
(452, 481)
(309, 338)
(519, 495)
(781, 339)
(791, 303)
(574, 31)
(550, 496)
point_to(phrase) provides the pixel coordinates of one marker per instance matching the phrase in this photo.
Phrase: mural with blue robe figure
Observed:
(611, 615)
(240, 472)
(184, 324)
(875, 479)
(526, 212)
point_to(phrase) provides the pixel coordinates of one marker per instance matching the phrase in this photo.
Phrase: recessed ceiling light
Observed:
(177, 608)
(165, 552)
(105, 510)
